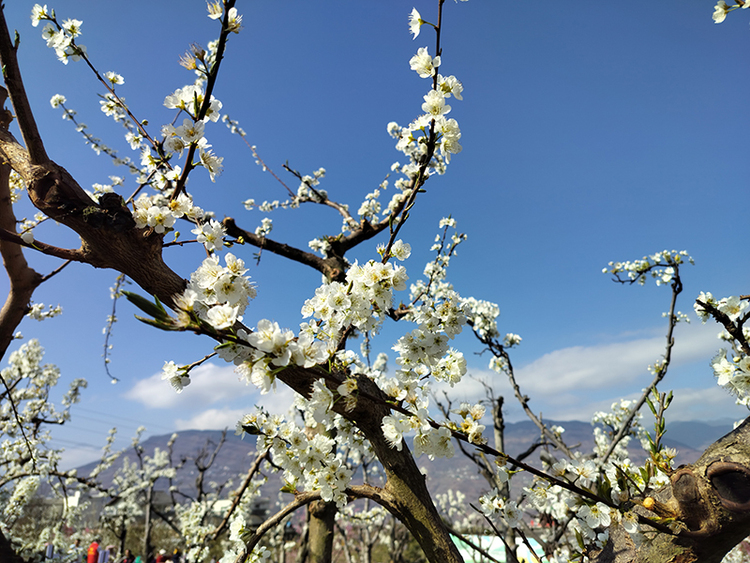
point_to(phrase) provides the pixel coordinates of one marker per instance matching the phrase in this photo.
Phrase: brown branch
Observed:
(333, 268)
(404, 481)
(12, 76)
(23, 279)
(63, 253)
(661, 370)
(254, 468)
(210, 83)
(108, 235)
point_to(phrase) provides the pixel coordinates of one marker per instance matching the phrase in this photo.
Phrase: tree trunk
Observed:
(322, 516)
(405, 494)
(498, 424)
(7, 553)
(23, 279)
(710, 497)
(147, 524)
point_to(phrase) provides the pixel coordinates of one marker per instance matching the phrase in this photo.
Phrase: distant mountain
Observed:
(191, 446)
(236, 455)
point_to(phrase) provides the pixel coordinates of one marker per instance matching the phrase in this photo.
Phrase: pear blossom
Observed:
(57, 100)
(434, 104)
(415, 22)
(113, 78)
(595, 515)
(423, 63)
(215, 10)
(39, 13)
(211, 234)
(720, 11)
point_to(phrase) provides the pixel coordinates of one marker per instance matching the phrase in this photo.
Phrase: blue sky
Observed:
(591, 132)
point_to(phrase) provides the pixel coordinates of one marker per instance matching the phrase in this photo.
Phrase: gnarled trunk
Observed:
(711, 497)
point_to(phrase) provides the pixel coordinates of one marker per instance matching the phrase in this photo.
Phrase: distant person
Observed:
(106, 554)
(92, 555)
(128, 557)
(75, 552)
(162, 557)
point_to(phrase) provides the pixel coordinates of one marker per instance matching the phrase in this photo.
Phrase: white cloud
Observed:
(78, 456)
(704, 404)
(219, 418)
(573, 383)
(209, 384)
(596, 367)
(211, 419)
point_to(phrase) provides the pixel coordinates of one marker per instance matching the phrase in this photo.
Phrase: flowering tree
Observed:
(353, 407)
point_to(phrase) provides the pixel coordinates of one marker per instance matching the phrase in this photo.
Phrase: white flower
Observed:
(56, 100)
(160, 218)
(39, 13)
(595, 515)
(450, 85)
(512, 514)
(190, 131)
(394, 429)
(234, 23)
(401, 250)
(415, 22)
(212, 163)
(720, 11)
(114, 78)
(630, 522)
(177, 378)
(211, 234)
(73, 27)
(222, 316)
(434, 104)
(215, 10)
(423, 63)
(732, 306)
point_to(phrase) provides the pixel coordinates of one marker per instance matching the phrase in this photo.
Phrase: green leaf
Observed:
(156, 310)
(288, 488)
(159, 324)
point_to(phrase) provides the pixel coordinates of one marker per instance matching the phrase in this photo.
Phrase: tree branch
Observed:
(12, 76)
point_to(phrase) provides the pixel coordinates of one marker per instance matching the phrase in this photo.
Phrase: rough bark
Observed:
(23, 279)
(7, 553)
(109, 238)
(405, 494)
(146, 545)
(710, 497)
(320, 531)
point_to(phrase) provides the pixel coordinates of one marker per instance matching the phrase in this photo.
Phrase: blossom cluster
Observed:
(733, 306)
(38, 312)
(606, 425)
(25, 417)
(661, 266)
(590, 519)
(732, 371)
(733, 375)
(309, 463)
(190, 99)
(219, 294)
(160, 213)
(412, 140)
(363, 301)
(722, 9)
(60, 37)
